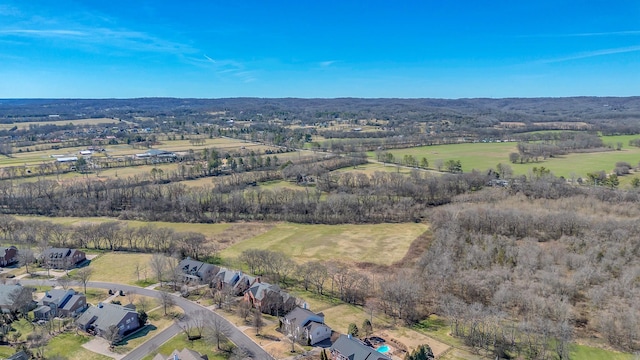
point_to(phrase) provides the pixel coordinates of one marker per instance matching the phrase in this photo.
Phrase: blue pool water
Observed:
(383, 349)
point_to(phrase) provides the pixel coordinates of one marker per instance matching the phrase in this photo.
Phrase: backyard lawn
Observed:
(69, 346)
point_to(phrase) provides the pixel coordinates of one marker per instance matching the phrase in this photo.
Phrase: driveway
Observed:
(101, 346)
(190, 308)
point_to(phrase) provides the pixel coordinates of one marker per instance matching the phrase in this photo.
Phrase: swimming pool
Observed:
(383, 349)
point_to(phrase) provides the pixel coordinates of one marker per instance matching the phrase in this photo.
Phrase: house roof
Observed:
(104, 315)
(4, 249)
(301, 317)
(73, 301)
(259, 290)
(354, 349)
(57, 253)
(190, 266)
(57, 296)
(6, 293)
(245, 279)
(229, 277)
(185, 354)
(44, 309)
(20, 355)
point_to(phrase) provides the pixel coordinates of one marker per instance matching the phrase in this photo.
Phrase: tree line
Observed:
(337, 197)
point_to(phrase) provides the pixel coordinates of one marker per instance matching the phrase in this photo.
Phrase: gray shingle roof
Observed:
(105, 315)
(72, 302)
(57, 253)
(6, 292)
(354, 349)
(300, 316)
(194, 267)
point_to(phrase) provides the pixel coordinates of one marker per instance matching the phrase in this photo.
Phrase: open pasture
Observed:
(483, 156)
(381, 244)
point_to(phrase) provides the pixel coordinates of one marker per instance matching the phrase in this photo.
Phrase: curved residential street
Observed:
(190, 308)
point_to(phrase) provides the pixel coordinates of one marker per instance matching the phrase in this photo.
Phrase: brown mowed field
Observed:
(382, 244)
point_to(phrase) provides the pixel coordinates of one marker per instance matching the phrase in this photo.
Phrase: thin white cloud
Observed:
(122, 39)
(326, 64)
(226, 68)
(43, 33)
(590, 54)
(586, 34)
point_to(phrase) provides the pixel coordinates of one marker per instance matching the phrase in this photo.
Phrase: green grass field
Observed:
(69, 346)
(120, 267)
(584, 352)
(359, 243)
(483, 156)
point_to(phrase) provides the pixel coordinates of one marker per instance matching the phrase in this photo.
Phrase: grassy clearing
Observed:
(373, 167)
(23, 326)
(94, 296)
(484, 156)
(361, 243)
(180, 342)
(69, 346)
(280, 184)
(6, 351)
(119, 267)
(584, 352)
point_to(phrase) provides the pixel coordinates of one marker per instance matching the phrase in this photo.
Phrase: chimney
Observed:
(175, 357)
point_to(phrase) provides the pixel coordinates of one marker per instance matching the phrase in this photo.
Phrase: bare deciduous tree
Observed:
(83, 275)
(158, 265)
(167, 301)
(26, 258)
(216, 327)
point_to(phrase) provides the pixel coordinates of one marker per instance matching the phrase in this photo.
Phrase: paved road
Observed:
(152, 344)
(190, 308)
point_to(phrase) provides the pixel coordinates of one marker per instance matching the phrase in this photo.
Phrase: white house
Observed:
(310, 324)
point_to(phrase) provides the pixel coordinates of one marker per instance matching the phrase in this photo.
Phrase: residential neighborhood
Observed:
(110, 320)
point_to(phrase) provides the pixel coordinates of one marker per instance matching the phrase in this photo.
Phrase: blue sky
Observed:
(213, 49)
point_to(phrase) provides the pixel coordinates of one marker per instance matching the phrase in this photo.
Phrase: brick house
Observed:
(62, 258)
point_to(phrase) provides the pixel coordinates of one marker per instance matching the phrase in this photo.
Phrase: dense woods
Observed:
(351, 198)
(515, 270)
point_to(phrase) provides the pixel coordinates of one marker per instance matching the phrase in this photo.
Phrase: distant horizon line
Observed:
(318, 98)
